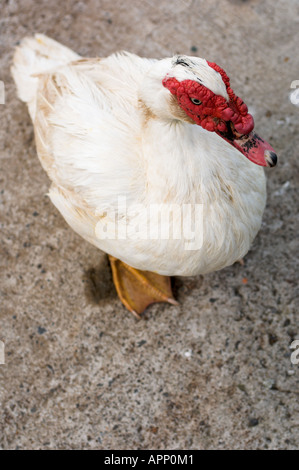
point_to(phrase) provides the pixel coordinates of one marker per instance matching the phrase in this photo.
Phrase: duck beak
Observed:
(255, 149)
(251, 145)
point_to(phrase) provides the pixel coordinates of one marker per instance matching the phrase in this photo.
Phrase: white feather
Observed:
(97, 145)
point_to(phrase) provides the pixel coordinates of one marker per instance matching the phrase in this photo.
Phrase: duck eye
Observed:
(195, 101)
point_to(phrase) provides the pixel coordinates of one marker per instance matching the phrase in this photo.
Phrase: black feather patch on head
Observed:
(181, 61)
(187, 62)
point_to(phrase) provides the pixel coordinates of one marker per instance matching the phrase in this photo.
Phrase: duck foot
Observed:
(139, 289)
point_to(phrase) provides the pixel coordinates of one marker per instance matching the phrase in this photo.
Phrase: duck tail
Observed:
(34, 56)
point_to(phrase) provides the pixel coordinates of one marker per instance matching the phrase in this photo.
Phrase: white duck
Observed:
(123, 136)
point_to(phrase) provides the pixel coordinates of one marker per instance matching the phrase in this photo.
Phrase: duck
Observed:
(153, 161)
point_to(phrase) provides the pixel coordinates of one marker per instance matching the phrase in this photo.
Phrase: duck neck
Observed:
(171, 156)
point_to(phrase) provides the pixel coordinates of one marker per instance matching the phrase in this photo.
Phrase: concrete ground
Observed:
(213, 373)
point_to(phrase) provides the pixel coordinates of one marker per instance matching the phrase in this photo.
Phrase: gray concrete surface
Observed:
(213, 373)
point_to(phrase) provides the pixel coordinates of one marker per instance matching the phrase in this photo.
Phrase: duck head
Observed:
(199, 92)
